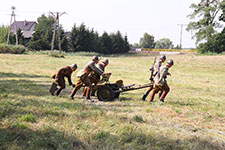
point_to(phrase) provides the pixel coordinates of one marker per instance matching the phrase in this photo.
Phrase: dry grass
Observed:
(192, 116)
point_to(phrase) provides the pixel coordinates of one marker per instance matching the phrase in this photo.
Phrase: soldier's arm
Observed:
(163, 75)
(69, 79)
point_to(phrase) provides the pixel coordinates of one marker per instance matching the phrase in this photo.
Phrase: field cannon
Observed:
(110, 91)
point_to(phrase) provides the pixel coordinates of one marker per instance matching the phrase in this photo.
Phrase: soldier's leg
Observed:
(160, 93)
(94, 89)
(166, 90)
(88, 93)
(58, 91)
(76, 88)
(152, 95)
(147, 92)
(60, 87)
(87, 83)
(88, 86)
(155, 90)
(84, 91)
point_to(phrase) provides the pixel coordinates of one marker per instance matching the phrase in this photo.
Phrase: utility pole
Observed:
(56, 16)
(181, 29)
(13, 16)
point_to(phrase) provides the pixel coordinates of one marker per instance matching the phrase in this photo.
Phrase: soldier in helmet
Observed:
(156, 67)
(95, 77)
(63, 72)
(83, 78)
(160, 83)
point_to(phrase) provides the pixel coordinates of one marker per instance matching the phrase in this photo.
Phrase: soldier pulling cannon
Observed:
(107, 91)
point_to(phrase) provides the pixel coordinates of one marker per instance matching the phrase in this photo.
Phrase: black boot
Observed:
(58, 92)
(146, 93)
(160, 93)
(73, 93)
(161, 100)
(144, 97)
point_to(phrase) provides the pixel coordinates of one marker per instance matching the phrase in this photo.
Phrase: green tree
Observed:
(83, 39)
(80, 38)
(3, 33)
(106, 43)
(207, 13)
(118, 42)
(164, 43)
(216, 43)
(127, 45)
(20, 37)
(222, 16)
(95, 42)
(147, 41)
(42, 37)
(136, 45)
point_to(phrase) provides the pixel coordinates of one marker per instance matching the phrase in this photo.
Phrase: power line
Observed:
(56, 15)
(13, 16)
(181, 29)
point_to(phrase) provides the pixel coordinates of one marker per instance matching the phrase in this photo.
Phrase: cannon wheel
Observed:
(105, 93)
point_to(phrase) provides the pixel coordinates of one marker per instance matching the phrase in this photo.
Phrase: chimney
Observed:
(25, 22)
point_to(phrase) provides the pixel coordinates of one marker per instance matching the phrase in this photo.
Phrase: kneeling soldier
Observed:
(160, 83)
(63, 72)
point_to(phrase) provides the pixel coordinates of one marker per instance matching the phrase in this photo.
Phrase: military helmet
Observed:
(95, 58)
(162, 57)
(74, 66)
(170, 62)
(105, 61)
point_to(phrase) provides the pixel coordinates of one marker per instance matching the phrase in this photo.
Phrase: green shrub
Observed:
(27, 118)
(138, 118)
(13, 49)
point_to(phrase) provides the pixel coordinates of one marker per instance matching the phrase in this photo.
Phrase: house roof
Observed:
(23, 25)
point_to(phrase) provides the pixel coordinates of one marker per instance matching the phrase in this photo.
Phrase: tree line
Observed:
(80, 38)
(210, 16)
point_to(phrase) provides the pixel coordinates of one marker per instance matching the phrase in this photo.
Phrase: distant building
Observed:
(27, 27)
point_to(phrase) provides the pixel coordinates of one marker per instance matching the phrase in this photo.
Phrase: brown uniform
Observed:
(160, 83)
(63, 72)
(83, 78)
(156, 69)
(94, 78)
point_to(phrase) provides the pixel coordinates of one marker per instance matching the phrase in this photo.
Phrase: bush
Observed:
(214, 45)
(27, 118)
(12, 49)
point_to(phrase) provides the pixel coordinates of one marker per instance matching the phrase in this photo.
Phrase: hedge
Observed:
(12, 49)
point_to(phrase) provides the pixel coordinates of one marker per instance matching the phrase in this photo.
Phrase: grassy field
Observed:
(192, 117)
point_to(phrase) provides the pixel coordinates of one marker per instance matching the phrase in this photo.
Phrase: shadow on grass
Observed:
(182, 103)
(20, 136)
(23, 87)
(21, 75)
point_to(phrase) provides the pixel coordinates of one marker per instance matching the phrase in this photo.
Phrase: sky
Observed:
(160, 18)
